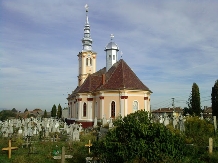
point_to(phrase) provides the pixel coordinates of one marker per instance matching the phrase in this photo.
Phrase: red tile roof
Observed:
(168, 110)
(119, 76)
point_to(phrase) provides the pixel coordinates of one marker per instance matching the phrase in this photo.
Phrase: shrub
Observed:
(135, 138)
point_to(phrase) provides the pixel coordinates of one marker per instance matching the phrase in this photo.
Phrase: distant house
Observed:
(169, 111)
(207, 112)
(34, 113)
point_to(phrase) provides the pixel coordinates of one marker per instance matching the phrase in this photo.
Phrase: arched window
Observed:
(87, 61)
(135, 106)
(90, 61)
(113, 109)
(84, 110)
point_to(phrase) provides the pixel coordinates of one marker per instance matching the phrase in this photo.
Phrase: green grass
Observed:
(44, 151)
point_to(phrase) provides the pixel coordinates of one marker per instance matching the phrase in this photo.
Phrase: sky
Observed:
(168, 44)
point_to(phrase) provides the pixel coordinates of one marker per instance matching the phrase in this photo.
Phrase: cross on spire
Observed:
(86, 7)
(112, 36)
(121, 54)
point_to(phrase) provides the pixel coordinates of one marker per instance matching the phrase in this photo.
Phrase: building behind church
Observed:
(112, 91)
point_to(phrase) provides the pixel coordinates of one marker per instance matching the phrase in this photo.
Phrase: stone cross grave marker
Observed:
(9, 148)
(63, 156)
(89, 145)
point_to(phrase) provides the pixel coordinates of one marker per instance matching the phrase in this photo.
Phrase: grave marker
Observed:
(89, 145)
(9, 148)
(63, 156)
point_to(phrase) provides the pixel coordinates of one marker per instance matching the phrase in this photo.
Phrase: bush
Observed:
(198, 131)
(135, 138)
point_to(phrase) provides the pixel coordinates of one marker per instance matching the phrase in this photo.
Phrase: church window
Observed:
(84, 110)
(87, 61)
(113, 109)
(135, 106)
(113, 57)
(109, 56)
(90, 61)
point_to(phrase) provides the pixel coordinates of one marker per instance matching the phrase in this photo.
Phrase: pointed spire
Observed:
(87, 10)
(87, 41)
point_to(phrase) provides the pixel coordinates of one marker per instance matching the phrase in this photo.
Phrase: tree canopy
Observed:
(59, 113)
(45, 114)
(135, 137)
(194, 102)
(214, 99)
(53, 111)
(6, 114)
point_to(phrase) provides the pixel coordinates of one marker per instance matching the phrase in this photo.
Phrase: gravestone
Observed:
(63, 156)
(89, 145)
(175, 121)
(95, 122)
(166, 119)
(111, 123)
(181, 124)
(75, 135)
(161, 119)
(215, 123)
(104, 121)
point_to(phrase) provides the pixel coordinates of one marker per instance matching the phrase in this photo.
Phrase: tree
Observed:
(59, 113)
(136, 138)
(14, 110)
(194, 102)
(5, 114)
(45, 114)
(214, 99)
(26, 110)
(53, 111)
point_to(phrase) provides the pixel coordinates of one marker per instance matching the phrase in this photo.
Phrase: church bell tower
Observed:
(87, 57)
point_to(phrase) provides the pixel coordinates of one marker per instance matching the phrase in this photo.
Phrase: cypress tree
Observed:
(53, 111)
(59, 113)
(214, 99)
(194, 102)
(45, 114)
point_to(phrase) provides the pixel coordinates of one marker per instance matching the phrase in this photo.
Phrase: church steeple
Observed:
(87, 41)
(87, 57)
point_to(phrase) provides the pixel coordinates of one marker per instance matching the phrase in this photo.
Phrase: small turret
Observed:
(111, 53)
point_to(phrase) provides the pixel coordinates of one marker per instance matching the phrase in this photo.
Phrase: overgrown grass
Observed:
(44, 150)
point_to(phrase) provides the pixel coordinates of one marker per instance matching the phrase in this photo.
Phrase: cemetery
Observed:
(138, 137)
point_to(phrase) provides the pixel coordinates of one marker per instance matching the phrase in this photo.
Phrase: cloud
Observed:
(168, 44)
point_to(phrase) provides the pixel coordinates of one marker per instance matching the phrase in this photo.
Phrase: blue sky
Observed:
(168, 44)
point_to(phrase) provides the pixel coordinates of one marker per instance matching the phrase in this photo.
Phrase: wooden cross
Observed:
(63, 156)
(9, 148)
(89, 145)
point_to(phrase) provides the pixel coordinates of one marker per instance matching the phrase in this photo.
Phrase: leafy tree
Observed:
(194, 102)
(59, 113)
(214, 99)
(14, 110)
(5, 114)
(26, 110)
(45, 114)
(136, 138)
(53, 111)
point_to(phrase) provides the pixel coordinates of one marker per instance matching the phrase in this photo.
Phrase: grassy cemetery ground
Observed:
(43, 151)
(133, 139)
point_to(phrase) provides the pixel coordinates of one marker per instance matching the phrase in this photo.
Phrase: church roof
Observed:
(111, 45)
(119, 76)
